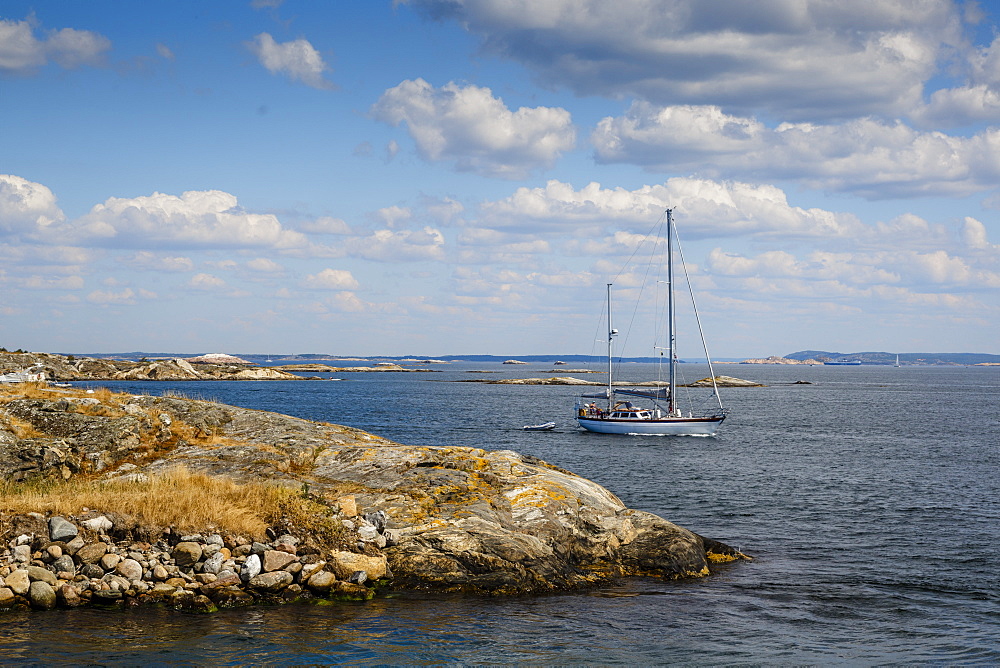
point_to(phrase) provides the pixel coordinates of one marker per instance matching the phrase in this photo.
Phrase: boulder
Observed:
(186, 554)
(61, 529)
(251, 568)
(271, 582)
(68, 596)
(275, 560)
(18, 582)
(39, 574)
(90, 554)
(130, 569)
(321, 581)
(346, 564)
(41, 595)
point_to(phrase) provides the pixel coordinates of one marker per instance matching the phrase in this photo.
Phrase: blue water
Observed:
(868, 497)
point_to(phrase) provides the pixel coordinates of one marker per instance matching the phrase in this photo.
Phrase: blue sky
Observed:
(436, 177)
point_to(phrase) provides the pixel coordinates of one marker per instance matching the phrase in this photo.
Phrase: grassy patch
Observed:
(180, 498)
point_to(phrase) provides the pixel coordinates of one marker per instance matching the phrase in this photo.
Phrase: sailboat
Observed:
(662, 416)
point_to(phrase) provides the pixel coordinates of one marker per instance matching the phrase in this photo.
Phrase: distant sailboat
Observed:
(897, 361)
(664, 417)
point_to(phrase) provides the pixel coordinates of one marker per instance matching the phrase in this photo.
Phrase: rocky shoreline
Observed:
(446, 519)
(98, 560)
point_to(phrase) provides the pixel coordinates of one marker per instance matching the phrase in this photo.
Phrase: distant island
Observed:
(801, 357)
(880, 358)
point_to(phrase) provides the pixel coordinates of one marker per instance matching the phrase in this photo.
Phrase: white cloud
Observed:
(476, 131)
(209, 218)
(26, 207)
(50, 283)
(21, 52)
(974, 235)
(263, 265)
(164, 51)
(804, 59)
(326, 225)
(427, 243)
(206, 282)
(709, 208)
(126, 296)
(152, 261)
(392, 216)
(348, 302)
(867, 157)
(297, 59)
(331, 279)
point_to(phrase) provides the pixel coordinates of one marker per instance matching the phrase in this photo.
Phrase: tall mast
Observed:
(611, 336)
(671, 331)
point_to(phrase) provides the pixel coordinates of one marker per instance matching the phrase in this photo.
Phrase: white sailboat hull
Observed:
(678, 426)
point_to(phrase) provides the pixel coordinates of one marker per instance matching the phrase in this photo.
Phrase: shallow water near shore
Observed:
(868, 497)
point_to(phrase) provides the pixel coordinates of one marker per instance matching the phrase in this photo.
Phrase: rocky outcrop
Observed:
(450, 518)
(724, 381)
(775, 359)
(65, 368)
(326, 368)
(217, 358)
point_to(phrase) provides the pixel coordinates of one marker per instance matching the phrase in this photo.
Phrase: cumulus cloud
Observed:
(209, 218)
(331, 279)
(810, 59)
(867, 157)
(26, 207)
(22, 52)
(974, 234)
(393, 216)
(710, 208)
(878, 273)
(475, 130)
(397, 245)
(297, 60)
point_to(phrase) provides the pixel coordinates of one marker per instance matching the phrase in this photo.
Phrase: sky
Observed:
(431, 177)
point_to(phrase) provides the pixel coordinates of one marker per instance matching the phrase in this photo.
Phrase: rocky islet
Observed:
(440, 518)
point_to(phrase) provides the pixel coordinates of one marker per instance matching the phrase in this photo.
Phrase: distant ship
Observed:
(843, 363)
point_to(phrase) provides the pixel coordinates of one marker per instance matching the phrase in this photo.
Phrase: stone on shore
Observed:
(61, 529)
(271, 582)
(18, 582)
(41, 595)
(187, 553)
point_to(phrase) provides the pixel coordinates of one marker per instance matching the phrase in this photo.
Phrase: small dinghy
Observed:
(548, 426)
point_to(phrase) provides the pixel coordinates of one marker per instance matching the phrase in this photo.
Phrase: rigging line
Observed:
(628, 262)
(697, 318)
(642, 288)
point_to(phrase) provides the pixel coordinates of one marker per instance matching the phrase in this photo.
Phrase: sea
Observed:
(868, 496)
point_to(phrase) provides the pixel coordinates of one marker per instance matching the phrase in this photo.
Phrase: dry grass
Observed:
(19, 428)
(33, 390)
(180, 498)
